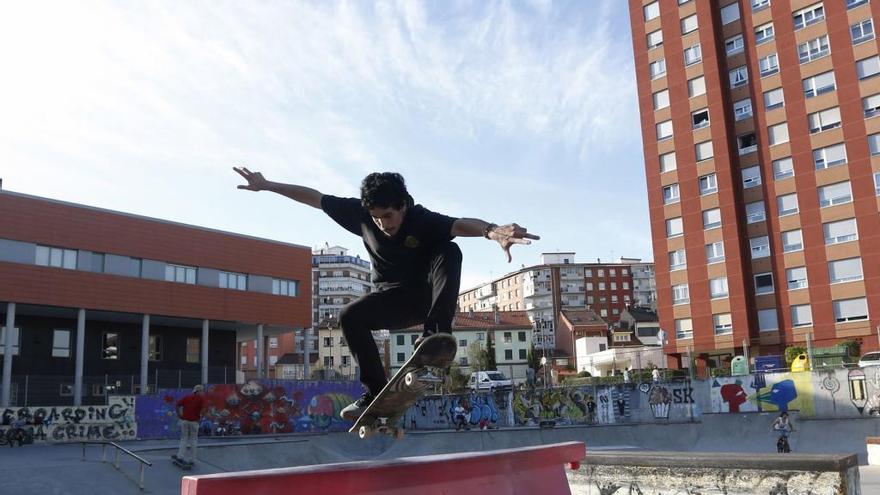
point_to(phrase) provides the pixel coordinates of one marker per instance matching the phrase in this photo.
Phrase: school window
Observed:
(747, 143)
(193, 353)
(796, 278)
(657, 68)
(664, 130)
(285, 287)
(768, 65)
(840, 231)
(755, 212)
(684, 329)
(729, 13)
(704, 151)
(787, 204)
(847, 270)
(661, 99)
(156, 347)
(742, 109)
(874, 144)
(715, 252)
(801, 315)
(763, 283)
(824, 120)
(868, 67)
(655, 39)
(767, 320)
(723, 323)
(700, 118)
(871, 105)
(652, 11)
(110, 345)
(680, 294)
(792, 240)
(689, 24)
(862, 31)
(61, 343)
(696, 86)
(273, 342)
(835, 194)
(855, 3)
(809, 15)
(718, 287)
(229, 280)
(734, 45)
(677, 260)
(739, 76)
(764, 33)
(670, 194)
(829, 156)
(760, 247)
(56, 257)
(711, 219)
(773, 99)
(692, 55)
(16, 340)
(778, 133)
(783, 168)
(850, 310)
(819, 84)
(751, 176)
(674, 227)
(180, 274)
(759, 5)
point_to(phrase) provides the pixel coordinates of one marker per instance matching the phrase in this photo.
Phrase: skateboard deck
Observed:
(411, 381)
(181, 464)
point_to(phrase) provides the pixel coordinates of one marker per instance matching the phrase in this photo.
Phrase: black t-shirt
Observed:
(403, 258)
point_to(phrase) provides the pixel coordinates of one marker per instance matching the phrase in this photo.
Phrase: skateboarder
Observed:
(416, 266)
(189, 410)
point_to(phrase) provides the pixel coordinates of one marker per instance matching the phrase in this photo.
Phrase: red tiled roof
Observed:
(486, 320)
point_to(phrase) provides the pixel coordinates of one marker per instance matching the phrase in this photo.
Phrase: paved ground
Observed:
(60, 469)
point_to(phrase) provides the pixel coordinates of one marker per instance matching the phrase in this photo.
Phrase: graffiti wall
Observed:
(56, 424)
(264, 406)
(463, 411)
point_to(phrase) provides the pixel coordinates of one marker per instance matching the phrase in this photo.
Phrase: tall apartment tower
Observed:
(337, 279)
(761, 156)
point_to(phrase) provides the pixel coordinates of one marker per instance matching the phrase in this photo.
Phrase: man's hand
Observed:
(255, 180)
(510, 234)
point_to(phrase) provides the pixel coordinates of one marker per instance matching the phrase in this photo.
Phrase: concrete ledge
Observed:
(666, 473)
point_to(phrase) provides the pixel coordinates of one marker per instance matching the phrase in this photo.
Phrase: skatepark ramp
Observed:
(529, 470)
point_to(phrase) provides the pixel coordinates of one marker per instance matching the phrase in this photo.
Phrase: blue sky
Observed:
(507, 111)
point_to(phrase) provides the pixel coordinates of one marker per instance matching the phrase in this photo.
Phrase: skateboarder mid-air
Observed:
(416, 266)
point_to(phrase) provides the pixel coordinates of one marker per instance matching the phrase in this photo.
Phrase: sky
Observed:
(508, 111)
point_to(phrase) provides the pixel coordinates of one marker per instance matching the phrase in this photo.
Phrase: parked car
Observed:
(489, 380)
(870, 359)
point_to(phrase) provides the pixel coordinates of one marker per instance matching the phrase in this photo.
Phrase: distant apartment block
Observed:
(337, 279)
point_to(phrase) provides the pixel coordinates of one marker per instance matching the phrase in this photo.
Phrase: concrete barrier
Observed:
(673, 473)
(522, 471)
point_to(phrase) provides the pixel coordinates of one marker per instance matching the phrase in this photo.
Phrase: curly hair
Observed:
(385, 190)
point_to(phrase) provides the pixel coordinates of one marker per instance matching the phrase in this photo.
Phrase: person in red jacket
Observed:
(189, 410)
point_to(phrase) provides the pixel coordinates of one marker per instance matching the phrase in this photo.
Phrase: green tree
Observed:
(792, 352)
(532, 358)
(456, 379)
(490, 352)
(478, 357)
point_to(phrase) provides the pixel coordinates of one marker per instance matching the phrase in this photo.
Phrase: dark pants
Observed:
(431, 304)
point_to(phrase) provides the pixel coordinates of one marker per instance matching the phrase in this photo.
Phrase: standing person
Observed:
(655, 375)
(783, 427)
(626, 376)
(416, 266)
(591, 410)
(189, 410)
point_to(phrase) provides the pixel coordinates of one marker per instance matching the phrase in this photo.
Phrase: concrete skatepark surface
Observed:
(59, 468)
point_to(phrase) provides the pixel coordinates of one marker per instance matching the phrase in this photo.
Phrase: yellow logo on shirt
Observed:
(411, 242)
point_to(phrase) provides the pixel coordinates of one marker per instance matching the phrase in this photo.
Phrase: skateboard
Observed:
(411, 381)
(181, 464)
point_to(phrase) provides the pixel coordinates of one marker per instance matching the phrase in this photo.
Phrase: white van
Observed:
(489, 380)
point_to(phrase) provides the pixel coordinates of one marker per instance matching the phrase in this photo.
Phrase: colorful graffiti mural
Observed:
(56, 424)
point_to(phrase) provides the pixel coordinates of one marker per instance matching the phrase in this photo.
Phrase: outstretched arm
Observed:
(505, 235)
(256, 182)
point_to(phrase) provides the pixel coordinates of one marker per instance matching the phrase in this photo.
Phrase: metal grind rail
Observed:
(143, 462)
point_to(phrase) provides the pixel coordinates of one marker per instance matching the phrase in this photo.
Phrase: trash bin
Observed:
(739, 366)
(800, 364)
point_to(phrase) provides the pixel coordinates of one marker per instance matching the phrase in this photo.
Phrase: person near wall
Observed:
(655, 375)
(190, 410)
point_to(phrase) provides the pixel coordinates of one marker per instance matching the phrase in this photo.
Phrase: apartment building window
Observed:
(877, 183)
(801, 315)
(868, 67)
(180, 273)
(157, 347)
(855, 3)
(697, 86)
(723, 324)
(689, 24)
(708, 184)
(819, 84)
(711, 219)
(747, 143)
(613, 285)
(871, 105)
(742, 109)
(829, 156)
(652, 11)
(850, 310)
(792, 240)
(759, 5)
(700, 118)
(783, 168)
(664, 130)
(773, 99)
(767, 320)
(661, 99)
(796, 278)
(718, 287)
(847, 270)
(193, 354)
(704, 151)
(285, 287)
(824, 120)
(657, 68)
(755, 212)
(764, 33)
(734, 45)
(715, 252)
(667, 164)
(589, 285)
(692, 55)
(814, 49)
(760, 247)
(840, 231)
(862, 31)
(680, 294)
(674, 227)
(835, 194)
(400, 340)
(874, 144)
(730, 13)
(655, 39)
(230, 280)
(677, 260)
(670, 194)
(684, 329)
(521, 336)
(56, 257)
(787, 204)
(109, 345)
(601, 285)
(508, 337)
(763, 283)
(751, 176)
(768, 65)
(739, 76)
(778, 133)
(810, 15)
(61, 343)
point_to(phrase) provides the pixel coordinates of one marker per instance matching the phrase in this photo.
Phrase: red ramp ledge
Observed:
(524, 471)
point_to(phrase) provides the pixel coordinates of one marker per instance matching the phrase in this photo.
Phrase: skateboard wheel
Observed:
(364, 432)
(410, 379)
